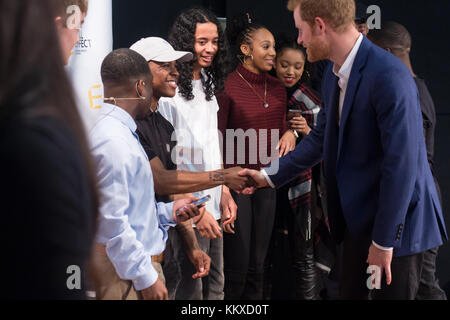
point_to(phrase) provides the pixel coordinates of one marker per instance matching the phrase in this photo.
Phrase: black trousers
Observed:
(300, 225)
(246, 250)
(413, 277)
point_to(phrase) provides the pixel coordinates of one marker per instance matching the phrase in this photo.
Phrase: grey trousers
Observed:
(178, 270)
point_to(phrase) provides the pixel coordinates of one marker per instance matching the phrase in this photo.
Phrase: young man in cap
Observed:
(158, 138)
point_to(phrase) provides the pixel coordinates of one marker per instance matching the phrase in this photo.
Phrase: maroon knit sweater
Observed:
(241, 108)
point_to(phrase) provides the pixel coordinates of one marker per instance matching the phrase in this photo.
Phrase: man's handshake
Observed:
(243, 181)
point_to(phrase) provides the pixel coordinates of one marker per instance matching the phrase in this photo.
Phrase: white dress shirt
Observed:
(132, 226)
(344, 73)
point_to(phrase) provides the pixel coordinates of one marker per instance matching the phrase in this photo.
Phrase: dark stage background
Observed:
(427, 21)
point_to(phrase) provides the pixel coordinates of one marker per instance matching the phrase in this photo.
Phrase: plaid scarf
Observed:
(306, 100)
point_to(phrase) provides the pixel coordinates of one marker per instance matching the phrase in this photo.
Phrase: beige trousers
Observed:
(108, 285)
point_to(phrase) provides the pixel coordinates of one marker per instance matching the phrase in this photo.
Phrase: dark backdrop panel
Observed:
(427, 22)
(136, 19)
(272, 14)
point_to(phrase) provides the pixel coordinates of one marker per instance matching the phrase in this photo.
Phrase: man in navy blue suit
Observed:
(382, 200)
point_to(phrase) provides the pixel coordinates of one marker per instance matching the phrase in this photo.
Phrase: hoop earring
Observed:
(249, 56)
(242, 58)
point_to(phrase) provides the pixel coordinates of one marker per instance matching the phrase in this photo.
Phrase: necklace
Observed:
(266, 105)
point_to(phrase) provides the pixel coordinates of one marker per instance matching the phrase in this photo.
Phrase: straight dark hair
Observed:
(283, 42)
(33, 81)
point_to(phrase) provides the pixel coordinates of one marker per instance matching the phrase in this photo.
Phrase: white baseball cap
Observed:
(159, 50)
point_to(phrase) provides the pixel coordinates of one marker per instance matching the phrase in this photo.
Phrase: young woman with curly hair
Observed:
(193, 113)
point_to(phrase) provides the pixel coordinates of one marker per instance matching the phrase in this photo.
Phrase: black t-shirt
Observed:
(157, 136)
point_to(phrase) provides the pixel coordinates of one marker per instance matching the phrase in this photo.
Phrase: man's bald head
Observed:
(392, 36)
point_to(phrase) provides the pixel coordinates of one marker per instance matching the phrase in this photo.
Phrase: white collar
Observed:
(346, 69)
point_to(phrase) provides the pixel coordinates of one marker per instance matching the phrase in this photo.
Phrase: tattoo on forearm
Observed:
(217, 176)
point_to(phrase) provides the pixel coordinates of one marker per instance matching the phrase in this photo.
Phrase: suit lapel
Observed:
(333, 102)
(332, 130)
(352, 87)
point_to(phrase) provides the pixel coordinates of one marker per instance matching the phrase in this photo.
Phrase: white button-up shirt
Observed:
(344, 73)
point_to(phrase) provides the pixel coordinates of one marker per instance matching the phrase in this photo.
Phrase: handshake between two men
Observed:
(242, 181)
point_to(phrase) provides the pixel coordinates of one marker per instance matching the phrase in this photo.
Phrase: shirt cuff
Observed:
(269, 181)
(147, 280)
(381, 247)
(165, 212)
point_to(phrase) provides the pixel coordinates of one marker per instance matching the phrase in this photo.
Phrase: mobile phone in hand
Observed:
(197, 203)
(292, 113)
(201, 201)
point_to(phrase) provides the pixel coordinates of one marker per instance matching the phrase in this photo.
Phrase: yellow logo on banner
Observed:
(92, 98)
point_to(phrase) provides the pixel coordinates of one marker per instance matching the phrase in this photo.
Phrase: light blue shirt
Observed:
(132, 226)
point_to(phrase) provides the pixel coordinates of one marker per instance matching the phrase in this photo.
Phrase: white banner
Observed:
(96, 41)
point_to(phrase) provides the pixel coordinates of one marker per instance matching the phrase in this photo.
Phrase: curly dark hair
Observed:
(182, 37)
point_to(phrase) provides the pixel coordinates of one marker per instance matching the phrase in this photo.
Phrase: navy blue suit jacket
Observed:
(379, 183)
